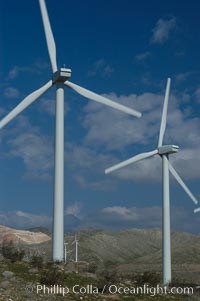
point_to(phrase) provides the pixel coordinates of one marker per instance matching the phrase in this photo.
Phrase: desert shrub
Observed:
(109, 272)
(52, 276)
(36, 261)
(9, 251)
(107, 275)
(148, 277)
(92, 267)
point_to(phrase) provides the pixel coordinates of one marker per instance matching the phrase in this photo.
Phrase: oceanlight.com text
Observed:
(111, 289)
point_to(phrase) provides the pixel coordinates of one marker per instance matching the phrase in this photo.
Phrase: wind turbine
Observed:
(60, 78)
(163, 151)
(76, 242)
(66, 252)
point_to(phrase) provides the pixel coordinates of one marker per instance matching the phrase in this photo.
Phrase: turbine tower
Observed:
(163, 151)
(66, 252)
(60, 78)
(76, 242)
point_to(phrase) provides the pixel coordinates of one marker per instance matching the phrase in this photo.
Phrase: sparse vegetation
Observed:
(151, 278)
(9, 251)
(52, 275)
(120, 265)
(92, 267)
(37, 261)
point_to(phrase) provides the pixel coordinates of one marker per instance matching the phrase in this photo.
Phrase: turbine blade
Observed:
(197, 210)
(183, 185)
(49, 35)
(131, 160)
(101, 99)
(24, 104)
(164, 114)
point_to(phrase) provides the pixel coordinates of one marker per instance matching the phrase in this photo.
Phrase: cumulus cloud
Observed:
(181, 77)
(121, 135)
(36, 151)
(84, 157)
(110, 137)
(87, 167)
(101, 67)
(73, 209)
(36, 68)
(162, 30)
(87, 181)
(23, 220)
(26, 142)
(11, 92)
(121, 217)
(121, 212)
(107, 218)
(141, 57)
(48, 105)
(114, 129)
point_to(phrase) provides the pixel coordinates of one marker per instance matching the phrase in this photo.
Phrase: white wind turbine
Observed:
(76, 242)
(163, 151)
(60, 78)
(66, 252)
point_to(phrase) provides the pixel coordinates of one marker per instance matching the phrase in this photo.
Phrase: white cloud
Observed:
(101, 67)
(13, 73)
(121, 217)
(162, 30)
(87, 181)
(36, 68)
(122, 212)
(26, 142)
(181, 77)
(11, 92)
(74, 209)
(116, 132)
(112, 137)
(48, 105)
(84, 157)
(114, 217)
(142, 56)
(24, 220)
(87, 167)
(36, 151)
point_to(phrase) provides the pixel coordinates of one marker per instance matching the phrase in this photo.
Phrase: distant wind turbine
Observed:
(76, 242)
(60, 78)
(66, 252)
(163, 151)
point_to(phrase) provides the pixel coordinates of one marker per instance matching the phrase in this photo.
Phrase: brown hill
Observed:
(22, 236)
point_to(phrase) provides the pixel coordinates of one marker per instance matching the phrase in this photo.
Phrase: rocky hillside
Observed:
(22, 236)
(137, 246)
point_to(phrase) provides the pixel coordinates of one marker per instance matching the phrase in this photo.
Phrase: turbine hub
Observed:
(61, 75)
(168, 149)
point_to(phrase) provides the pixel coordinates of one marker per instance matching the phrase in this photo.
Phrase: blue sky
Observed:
(126, 51)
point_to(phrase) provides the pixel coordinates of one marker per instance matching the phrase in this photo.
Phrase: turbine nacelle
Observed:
(61, 75)
(168, 149)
